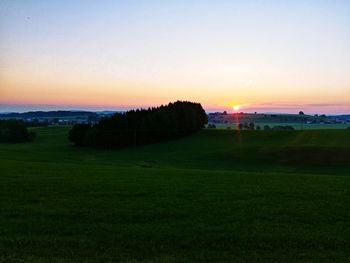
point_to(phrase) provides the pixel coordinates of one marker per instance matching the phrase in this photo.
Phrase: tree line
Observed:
(252, 126)
(15, 131)
(141, 126)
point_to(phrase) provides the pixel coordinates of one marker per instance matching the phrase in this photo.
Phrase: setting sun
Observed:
(236, 107)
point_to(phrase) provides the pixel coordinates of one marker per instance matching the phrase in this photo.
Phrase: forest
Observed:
(15, 131)
(141, 126)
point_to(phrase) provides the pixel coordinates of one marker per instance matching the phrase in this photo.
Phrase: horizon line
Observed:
(264, 108)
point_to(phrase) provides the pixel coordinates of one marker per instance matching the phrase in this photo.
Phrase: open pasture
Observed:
(227, 196)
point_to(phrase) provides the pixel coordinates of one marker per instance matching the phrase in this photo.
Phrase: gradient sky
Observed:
(269, 56)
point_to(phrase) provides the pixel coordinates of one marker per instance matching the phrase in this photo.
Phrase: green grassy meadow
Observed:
(216, 196)
(295, 125)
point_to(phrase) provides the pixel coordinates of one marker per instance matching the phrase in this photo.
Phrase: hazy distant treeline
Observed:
(143, 126)
(14, 131)
(46, 114)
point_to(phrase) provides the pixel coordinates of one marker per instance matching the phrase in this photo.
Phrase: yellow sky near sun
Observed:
(143, 54)
(41, 86)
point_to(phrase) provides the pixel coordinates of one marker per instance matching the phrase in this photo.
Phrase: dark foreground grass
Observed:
(216, 196)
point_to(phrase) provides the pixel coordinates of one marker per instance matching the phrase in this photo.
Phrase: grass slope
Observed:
(215, 196)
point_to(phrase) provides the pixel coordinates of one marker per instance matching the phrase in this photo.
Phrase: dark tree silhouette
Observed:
(15, 131)
(142, 126)
(251, 126)
(78, 134)
(283, 128)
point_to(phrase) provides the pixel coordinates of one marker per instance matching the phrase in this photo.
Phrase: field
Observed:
(220, 195)
(297, 121)
(295, 125)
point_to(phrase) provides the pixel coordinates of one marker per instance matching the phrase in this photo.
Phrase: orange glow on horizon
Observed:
(258, 66)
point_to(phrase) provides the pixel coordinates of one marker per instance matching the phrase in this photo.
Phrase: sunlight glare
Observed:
(236, 107)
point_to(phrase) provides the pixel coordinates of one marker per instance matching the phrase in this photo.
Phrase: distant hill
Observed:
(48, 114)
(340, 117)
(107, 112)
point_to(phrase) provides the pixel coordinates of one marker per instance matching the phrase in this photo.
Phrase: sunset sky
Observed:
(267, 56)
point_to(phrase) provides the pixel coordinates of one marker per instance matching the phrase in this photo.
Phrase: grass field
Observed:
(252, 196)
(295, 125)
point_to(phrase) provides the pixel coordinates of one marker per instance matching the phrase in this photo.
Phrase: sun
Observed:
(236, 107)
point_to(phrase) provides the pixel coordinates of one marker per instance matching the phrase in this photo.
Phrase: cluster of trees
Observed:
(143, 126)
(279, 128)
(252, 126)
(248, 126)
(15, 131)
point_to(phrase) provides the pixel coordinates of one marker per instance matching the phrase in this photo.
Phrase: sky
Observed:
(263, 55)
